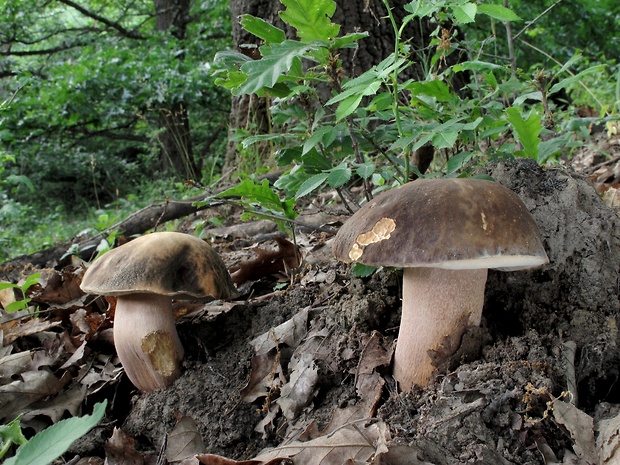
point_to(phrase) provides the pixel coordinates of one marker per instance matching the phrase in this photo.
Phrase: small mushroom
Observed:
(445, 233)
(146, 274)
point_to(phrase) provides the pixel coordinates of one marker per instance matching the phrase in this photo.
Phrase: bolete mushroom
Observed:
(445, 233)
(145, 274)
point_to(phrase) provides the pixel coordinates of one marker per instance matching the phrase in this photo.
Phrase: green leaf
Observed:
(339, 175)
(420, 8)
(435, 88)
(359, 270)
(262, 29)
(526, 131)
(290, 182)
(315, 160)
(318, 136)
(348, 106)
(498, 12)
(365, 170)
(54, 441)
(457, 162)
(550, 148)
(277, 60)
(351, 103)
(17, 306)
(465, 13)
(311, 18)
(445, 140)
(348, 40)
(261, 194)
(475, 65)
(11, 434)
(311, 184)
(30, 281)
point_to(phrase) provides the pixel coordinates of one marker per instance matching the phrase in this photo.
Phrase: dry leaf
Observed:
(298, 392)
(369, 383)
(14, 364)
(268, 262)
(210, 459)
(581, 428)
(184, 441)
(19, 394)
(26, 328)
(120, 449)
(266, 376)
(67, 401)
(608, 440)
(291, 333)
(356, 443)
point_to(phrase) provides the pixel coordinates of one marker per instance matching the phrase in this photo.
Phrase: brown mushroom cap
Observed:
(166, 263)
(443, 223)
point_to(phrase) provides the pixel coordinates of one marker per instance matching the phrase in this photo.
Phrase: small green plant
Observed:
(23, 303)
(11, 434)
(50, 443)
(365, 130)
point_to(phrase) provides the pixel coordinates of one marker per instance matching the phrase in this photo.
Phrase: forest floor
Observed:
(297, 370)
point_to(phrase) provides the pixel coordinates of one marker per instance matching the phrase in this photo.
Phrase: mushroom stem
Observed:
(146, 340)
(438, 305)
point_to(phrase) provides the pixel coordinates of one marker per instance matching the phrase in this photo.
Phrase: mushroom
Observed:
(146, 274)
(445, 233)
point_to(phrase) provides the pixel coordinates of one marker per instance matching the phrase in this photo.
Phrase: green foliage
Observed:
(54, 441)
(11, 434)
(527, 131)
(311, 19)
(87, 100)
(261, 201)
(23, 288)
(365, 129)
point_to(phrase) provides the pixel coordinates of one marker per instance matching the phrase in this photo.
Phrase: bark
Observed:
(174, 135)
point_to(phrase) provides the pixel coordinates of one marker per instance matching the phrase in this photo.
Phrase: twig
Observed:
(535, 20)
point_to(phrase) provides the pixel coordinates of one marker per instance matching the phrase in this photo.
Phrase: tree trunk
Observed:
(174, 134)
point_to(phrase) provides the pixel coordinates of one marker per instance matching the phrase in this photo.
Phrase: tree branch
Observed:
(125, 32)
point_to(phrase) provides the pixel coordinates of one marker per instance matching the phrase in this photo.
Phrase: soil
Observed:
(543, 332)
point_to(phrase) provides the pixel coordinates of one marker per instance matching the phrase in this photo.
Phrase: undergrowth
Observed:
(367, 130)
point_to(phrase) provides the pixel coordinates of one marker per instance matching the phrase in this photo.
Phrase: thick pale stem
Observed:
(146, 340)
(438, 305)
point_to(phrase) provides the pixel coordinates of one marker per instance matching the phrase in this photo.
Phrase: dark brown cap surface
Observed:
(166, 263)
(443, 223)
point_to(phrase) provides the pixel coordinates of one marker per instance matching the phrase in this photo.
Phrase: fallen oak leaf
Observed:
(301, 386)
(211, 459)
(291, 333)
(368, 381)
(69, 400)
(357, 442)
(608, 440)
(13, 331)
(18, 395)
(267, 373)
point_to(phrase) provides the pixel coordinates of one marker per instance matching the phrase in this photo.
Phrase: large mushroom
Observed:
(146, 274)
(445, 233)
